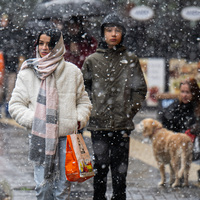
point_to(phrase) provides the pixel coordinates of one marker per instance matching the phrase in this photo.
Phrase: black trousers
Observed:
(111, 149)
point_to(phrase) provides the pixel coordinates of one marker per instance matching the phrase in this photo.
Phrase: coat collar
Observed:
(107, 50)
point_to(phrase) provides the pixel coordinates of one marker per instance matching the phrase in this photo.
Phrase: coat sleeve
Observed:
(19, 103)
(195, 128)
(87, 75)
(84, 105)
(138, 87)
(170, 116)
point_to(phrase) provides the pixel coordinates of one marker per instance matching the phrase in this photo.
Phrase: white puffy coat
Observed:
(74, 104)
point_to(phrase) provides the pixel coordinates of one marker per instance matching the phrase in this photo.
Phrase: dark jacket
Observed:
(10, 45)
(179, 117)
(116, 85)
(86, 47)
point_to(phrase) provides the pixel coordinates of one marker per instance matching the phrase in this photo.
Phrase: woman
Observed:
(49, 97)
(181, 114)
(184, 114)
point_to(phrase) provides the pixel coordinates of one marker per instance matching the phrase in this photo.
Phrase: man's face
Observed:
(74, 28)
(113, 36)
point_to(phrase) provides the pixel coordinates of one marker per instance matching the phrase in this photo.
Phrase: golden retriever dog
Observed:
(168, 148)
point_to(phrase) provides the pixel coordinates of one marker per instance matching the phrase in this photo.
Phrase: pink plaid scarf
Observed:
(44, 135)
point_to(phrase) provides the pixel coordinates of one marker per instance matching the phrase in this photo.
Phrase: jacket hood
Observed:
(107, 50)
(112, 19)
(115, 20)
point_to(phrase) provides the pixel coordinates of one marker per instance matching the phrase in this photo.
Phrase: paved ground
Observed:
(16, 174)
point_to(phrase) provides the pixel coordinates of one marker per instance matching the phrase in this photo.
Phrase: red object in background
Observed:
(79, 125)
(153, 91)
(2, 67)
(83, 49)
(192, 137)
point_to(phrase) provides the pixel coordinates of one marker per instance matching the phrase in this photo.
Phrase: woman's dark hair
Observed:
(194, 88)
(54, 34)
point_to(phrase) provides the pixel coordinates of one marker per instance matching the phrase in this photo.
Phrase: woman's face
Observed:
(113, 36)
(43, 46)
(185, 94)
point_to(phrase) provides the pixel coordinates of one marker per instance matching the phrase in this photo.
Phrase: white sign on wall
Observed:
(155, 79)
(191, 13)
(141, 13)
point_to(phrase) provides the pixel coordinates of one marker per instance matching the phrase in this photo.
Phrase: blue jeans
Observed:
(53, 190)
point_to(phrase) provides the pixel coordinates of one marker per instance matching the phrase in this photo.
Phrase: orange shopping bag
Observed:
(78, 165)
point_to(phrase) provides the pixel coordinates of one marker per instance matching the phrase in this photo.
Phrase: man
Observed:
(10, 46)
(78, 43)
(116, 85)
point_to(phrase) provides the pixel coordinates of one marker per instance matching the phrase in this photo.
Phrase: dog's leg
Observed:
(183, 162)
(162, 173)
(187, 167)
(186, 175)
(175, 166)
(172, 177)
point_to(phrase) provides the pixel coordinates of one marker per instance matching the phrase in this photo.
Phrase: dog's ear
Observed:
(150, 125)
(157, 124)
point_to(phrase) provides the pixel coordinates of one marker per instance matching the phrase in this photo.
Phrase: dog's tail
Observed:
(186, 158)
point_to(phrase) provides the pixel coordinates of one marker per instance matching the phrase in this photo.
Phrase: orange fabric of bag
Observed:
(78, 166)
(2, 67)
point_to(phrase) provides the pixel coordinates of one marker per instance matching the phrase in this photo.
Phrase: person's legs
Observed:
(62, 185)
(44, 189)
(10, 84)
(53, 190)
(101, 163)
(119, 164)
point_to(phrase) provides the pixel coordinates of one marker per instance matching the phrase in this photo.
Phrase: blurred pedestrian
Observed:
(180, 115)
(58, 23)
(78, 43)
(50, 98)
(9, 46)
(183, 115)
(115, 82)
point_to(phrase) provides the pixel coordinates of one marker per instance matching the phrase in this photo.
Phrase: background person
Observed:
(10, 46)
(184, 114)
(115, 82)
(181, 115)
(50, 98)
(78, 43)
